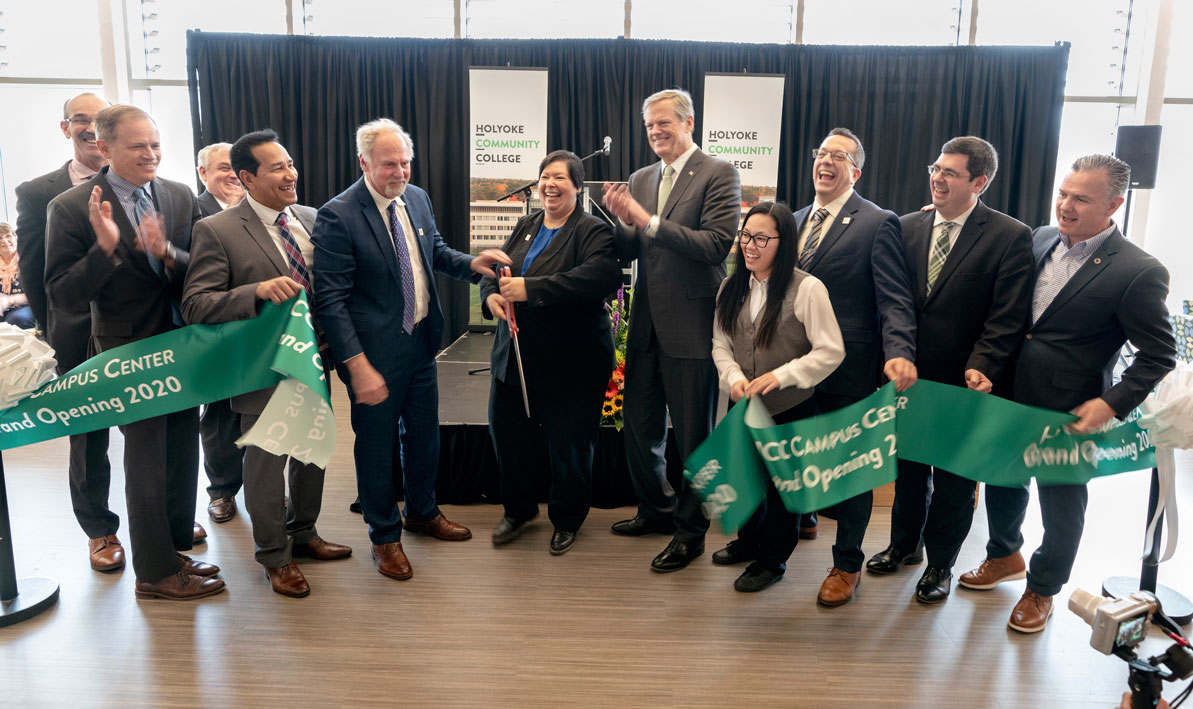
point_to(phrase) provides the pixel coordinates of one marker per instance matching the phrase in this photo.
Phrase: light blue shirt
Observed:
(1060, 266)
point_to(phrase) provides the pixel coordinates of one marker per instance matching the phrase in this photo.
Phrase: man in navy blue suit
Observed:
(1094, 291)
(377, 251)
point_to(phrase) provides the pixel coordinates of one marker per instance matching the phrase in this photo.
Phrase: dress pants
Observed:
(657, 385)
(90, 476)
(276, 526)
(161, 473)
(565, 423)
(950, 516)
(405, 424)
(773, 530)
(909, 512)
(853, 515)
(1062, 508)
(219, 427)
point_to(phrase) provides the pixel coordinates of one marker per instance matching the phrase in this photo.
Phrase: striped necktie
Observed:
(813, 241)
(298, 265)
(405, 269)
(940, 252)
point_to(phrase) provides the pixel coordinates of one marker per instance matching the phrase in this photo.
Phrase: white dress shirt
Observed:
(269, 218)
(422, 296)
(833, 207)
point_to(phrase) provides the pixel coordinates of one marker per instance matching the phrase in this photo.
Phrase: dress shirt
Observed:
(813, 309)
(269, 218)
(125, 192)
(1059, 267)
(653, 226)
(422, 295)
(79, 173)
(959, 224)
(833, 207)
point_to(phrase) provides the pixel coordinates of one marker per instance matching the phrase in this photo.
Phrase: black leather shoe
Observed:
(355, 506)
(640, 526)
(736, 552)
(508, 529)
(676, 556)
(890, 560)
(561, 541)
(756, 578)
(934, 585)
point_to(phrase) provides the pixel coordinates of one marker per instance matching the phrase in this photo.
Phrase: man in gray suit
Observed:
(219, 426)
(678, 217)
(261, 250)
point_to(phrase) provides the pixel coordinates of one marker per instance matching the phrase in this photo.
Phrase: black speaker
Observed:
(1139, 147)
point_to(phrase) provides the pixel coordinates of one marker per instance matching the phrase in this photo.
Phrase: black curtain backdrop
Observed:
(904, 103)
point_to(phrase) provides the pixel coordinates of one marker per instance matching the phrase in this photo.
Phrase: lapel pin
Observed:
(690, 173)
(1097, 260)
(420, 231)
(846, 220)
(527, 237)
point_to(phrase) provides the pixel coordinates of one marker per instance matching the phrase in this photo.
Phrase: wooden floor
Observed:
(479, 626)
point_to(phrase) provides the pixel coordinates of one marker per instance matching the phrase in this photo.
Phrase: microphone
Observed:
(608, 144)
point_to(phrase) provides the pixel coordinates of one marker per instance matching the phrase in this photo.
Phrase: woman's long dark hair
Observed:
(737, 287)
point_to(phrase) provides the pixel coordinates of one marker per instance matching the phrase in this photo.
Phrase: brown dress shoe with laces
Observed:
(838, 588)
(321, 549)
(180, 586)
(440, 528)
(106, 553)
(391, 561)
(198, 534)
(288, 581)
(1031, 613)
(992, 572)
(196, 568)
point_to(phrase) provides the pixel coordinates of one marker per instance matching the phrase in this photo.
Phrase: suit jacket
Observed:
(358, 289)
(564, 329)
(208, 205)
(1068, 355)
(231, 253)
(860, 260)
(33, 197)
(976, 314)
(129, 302)
(681, 267)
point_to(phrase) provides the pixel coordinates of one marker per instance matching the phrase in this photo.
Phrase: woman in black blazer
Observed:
(563, 267)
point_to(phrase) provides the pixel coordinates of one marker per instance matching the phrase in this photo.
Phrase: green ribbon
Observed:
(190, 366)
(818, 462)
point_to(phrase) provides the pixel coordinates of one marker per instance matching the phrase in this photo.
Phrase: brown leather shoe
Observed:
(809, 532)
(106, 553)
(288, 581)
(321, 549)
(180, 587)
(222, 509)
(196, 568)
(440, 528)
(391, 561)
(992, 572)
(199, 535)
(1031, 613)
(838, 588)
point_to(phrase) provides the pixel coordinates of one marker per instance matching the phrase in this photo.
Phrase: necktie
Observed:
(142, 205)
(665, 187)
(813, 241)
(298, 265)
(940, 252)
(404, 268)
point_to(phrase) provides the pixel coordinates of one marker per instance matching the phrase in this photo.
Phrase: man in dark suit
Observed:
(678, 217)
(1094, 291)
(67, 326)
(261, 250)
(219, 426)
(120, 242)
(971, 270)
(855, 248)
(377, 251)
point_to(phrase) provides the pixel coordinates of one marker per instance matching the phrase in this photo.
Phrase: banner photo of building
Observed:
(508, 137)
(743, 121)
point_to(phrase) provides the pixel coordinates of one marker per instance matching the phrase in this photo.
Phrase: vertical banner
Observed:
(508, 135)
(743, 121)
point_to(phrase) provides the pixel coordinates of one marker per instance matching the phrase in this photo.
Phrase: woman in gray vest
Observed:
(776, 337)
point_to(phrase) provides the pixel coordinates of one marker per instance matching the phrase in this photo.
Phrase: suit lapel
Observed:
(520, 241)
(681, 181)
(1097, 262)
(841, 222)
(372, 215)
(918, 239)
(966, 240)
(260, 237)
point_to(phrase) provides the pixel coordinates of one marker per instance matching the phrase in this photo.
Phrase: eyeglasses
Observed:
(81, 120)
(835, 155)
(948, 173)
(760, 240)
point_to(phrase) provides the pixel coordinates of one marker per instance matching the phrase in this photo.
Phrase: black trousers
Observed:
(909, 512)
(90, 476)
(950, 516)
(853, 515)
(219, 427)
(1062, 508)
(565, 424)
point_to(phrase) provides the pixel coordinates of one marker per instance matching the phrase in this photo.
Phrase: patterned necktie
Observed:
(298, 265)
(141, 205)
(940, 252)
(405, 270)
(665, 187)
(813, 241)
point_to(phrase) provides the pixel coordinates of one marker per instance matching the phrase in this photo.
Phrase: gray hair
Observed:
(681, 101)
(859, 153)
(1118, 173)
(367, 134)
(109, 119)
(204, 160)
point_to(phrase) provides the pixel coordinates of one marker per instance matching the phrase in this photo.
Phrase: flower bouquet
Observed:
(619, 314)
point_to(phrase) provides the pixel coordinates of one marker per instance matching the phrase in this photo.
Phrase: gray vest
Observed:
(790, 340)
